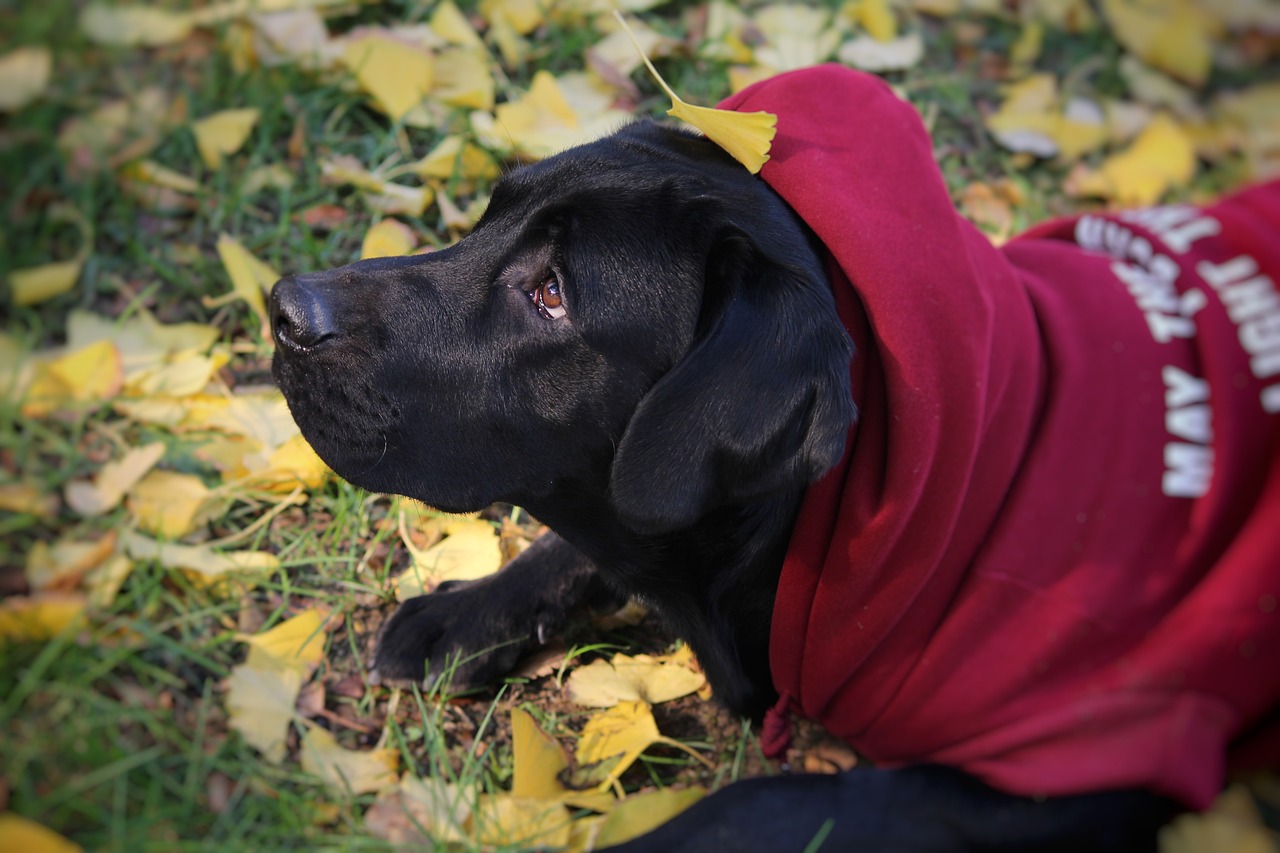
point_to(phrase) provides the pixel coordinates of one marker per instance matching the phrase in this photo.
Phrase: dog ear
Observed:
(760, 402)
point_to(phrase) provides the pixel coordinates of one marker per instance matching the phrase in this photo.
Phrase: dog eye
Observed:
(549, 300)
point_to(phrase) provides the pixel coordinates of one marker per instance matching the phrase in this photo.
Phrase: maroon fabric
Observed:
(1051, 553)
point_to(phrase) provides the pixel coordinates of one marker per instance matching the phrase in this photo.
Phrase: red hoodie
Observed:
(1051, 553)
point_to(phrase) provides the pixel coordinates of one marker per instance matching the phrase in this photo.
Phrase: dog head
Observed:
(638, 316)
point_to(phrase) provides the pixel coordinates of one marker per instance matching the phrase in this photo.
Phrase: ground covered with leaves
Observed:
(190, 600)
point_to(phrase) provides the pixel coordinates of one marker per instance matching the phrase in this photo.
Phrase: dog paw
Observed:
(466, 635)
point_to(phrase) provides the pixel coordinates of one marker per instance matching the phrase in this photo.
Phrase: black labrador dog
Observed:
(638, 343)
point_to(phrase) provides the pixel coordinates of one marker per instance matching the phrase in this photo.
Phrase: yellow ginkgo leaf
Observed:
(203, 560)
(1174, 36)
(747, 137)
(223, 133)
(421, 812)
(523, 16)
(28, 498)
(250, 277)
(104, 582)
(1162, 156)
(105, 491)
(387, 239)
(24, 75)
(615, 738)
(297, 642)
(510, 822)
(18, 833)
(39, 617)
(130, 26)
(83, 377)
(64, 563)
(397, 75)
(451, 25)
(170, 504)
(643, 812)
(876, 18)
(347, 770)
(453, 157)
(260, 698)
(33, 285)
(796, 36)
(463, 78)
(602, 683)
(538, 763)
(469, 551)
(294, 463)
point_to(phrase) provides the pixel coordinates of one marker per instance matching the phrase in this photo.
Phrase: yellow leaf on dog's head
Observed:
(746, 136)
(223, 134)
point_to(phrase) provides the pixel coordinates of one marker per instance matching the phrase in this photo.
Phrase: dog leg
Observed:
(474, 632)
(913, 810)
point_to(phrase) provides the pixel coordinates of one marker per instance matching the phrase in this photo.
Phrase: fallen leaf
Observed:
(63, 564)
(463, 79)
(397, 75)
(260, 699)
(32, 285)
(297, 642)
(468, 551)
(28, 498)
(1161, 157)
(223, 133)
(503, 820)
(83, 378)
(1232, 825)
(1174, 35)
(388, 238)
(103, 582)
(538, 763)
(453, 26)
(170, 504)
(613, 739)
(39, 617)
(346, 770)
(876, 17)
(132, 26)
(604, 683)
(381, 195)
(250, 277)
(293, 36)
(797, 36)
(421, 812)
(643, 812)
(19, 834)
(24, 76)
(202, 559)
(523, 16)
(872, 54)
(455, 159)
(107, 489)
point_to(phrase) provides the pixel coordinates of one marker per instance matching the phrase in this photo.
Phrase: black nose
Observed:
(300, 315)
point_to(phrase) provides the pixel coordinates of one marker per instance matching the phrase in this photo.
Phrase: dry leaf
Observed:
(397, 75)
(503, 820)
(388, 238)
(602, 683)
(463, 79)
(20, 835)
(39, 617)
(747, 137)
(421, 812)
(250, 277)
(643, 812)
(380, 195)
(260, 699)
(132, 26)
(170, 504)
(797, 36)
(223, 133)
(202, 559)
(297, 642)
(871, 54)
(1232, 825)
(28, 498)
(453, 26)
(613, 739)
(103, 583)
(876, 17)
(64, 564)
(1174, 36)
(83, 378)
(24, 76)
(468, 551)
(1161, 157)
(347, 770)
(33, 285)
(105, 491)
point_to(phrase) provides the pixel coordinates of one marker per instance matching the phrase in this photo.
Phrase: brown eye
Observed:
(549, 300)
